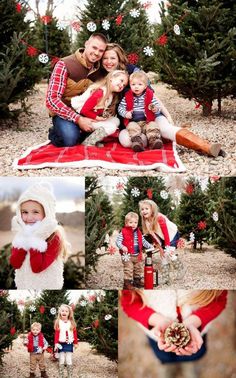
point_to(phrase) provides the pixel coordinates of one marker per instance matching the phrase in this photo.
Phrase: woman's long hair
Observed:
(71, 317)
(122, 57)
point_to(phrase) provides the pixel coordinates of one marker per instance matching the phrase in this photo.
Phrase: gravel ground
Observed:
(86, 363)
(33, 130)
(209, 269)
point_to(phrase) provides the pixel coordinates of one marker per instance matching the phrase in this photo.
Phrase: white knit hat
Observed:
(41, 193)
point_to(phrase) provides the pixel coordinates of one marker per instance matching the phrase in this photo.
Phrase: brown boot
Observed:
(137, 143)
(138, 282)
(44, 374)
(32, 375)
(187, 139)
(157, 144)
(128, 285)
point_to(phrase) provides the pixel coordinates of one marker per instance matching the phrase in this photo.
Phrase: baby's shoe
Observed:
(137, 143)
(156, 145)
(138, 282)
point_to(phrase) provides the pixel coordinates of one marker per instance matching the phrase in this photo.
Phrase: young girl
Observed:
(164, 233)
(39, 245)
(98, 102)
(65, 338)
(156, 310)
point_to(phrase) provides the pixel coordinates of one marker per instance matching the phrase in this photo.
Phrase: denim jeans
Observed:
(64, 133)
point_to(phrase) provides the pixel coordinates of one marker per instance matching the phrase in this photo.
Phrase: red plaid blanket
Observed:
(111, 156)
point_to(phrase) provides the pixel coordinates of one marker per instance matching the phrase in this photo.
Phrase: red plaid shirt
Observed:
(55, 92)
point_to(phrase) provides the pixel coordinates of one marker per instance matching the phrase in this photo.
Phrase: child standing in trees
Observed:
(65, 338)
(39, 245)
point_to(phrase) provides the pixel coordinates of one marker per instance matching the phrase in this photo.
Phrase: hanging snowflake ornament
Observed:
(61, 25)
(111, 250)
(106, 24)
(177, 29)
(164, 194)
(215, 216)
(53, 311)
(43, 58)
(135, 192)
(32, 308)
(191, 237)
(134, 13)
(108, 317)
(91, 26)
(83, 303)
(148, 51)
(125, 257)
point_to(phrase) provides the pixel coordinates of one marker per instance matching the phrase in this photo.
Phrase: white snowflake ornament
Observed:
(177, 193)
(98, 299)
(83, 303)
(148, 51)
(43, 58)
(91, 26)
(134, 13)
(164, 194)
(177, 29)
(135, 192)
(61, 25)
(191, 237)
(215, 216)
(108, 317)
(106, 24)
(125, 257)
(53, 311)
(32, 308)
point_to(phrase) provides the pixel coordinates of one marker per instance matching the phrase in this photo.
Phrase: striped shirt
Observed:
(145, 243)
(138, 113)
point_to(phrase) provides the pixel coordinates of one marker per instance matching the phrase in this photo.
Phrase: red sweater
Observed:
(141, 314)
(31, 343)
(129, 97)
(39, 261)
(89, 105)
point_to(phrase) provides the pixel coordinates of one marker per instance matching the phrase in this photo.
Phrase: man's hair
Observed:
(141, 75)
(131, 215)
(100, 36)
(37, 325)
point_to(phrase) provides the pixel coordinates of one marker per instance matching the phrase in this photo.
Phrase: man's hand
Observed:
(85, 124)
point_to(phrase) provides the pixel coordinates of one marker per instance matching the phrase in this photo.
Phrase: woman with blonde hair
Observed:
(155, 311)
(65, 338)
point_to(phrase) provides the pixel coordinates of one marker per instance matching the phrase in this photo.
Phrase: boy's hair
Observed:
(131, 215)
(100, 36)
(141, 75)
(37, 325)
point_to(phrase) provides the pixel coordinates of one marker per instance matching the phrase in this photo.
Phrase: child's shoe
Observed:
(138, 282)
(156, 145)
(69, 371)
(32, 375)
(44, 374)
(137, 143)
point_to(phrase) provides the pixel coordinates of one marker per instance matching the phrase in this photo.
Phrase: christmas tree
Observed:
(74, 271)
(221, 213)
(18, 71)
(122, 22)
(6, 270)
(138, 188)
(100, 316)
(195, 46)
(191, 213)
(98, 222)
(10, 321)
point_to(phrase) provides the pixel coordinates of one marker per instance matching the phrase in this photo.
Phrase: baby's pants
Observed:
(37, 358)
(132, 268)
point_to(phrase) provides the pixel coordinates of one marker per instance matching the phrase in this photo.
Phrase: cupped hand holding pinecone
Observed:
(177, 334)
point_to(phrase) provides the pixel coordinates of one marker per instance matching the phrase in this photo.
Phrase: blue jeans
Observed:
(64, 133)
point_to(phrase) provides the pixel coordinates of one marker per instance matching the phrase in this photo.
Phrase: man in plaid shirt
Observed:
(71, 76)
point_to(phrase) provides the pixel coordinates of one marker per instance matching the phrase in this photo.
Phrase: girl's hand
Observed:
(99, 118)
(160, 324)
(76, 346)
(194, 345)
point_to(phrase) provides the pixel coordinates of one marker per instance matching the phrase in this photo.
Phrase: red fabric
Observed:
(89, 105)
(57, 334)
(55, 92)
(164, 229)
(112, 153)
(30, 341)
(40, 261)
(128, 239)
(129, 97)
(17, 257)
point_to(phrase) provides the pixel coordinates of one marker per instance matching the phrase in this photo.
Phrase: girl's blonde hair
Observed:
(106, 83)
(123, 60)
(71, 317)
(197, 297)
(65, 246)
(152, 225)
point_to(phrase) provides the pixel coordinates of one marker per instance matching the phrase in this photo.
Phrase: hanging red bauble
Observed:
(21, 302)
(162, 40)
(133, 58)
(18, 7)
(95, 324)
(201, 225)
(119, 19)
(149, 193)
(12, 331)
(197, 106)
(111, 250)
(31, 51)
(189, 189)
(92, 298)
(75, 25)
(180, 244)
(42, 309)
(46, 19)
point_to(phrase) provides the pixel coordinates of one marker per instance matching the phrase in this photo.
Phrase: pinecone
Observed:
(177, 334)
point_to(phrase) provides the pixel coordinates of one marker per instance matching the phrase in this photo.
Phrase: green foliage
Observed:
(222, 200)
(74, 272)
(133, 34)
(199, 62)
(152, 185)
(6, 271)
(191, 211)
